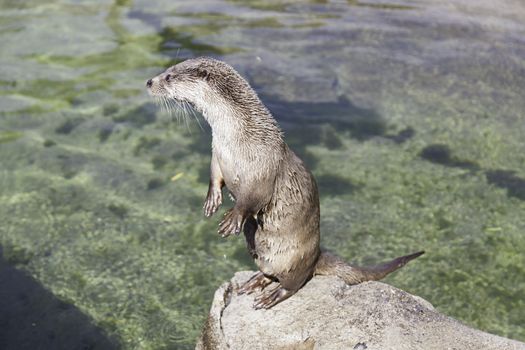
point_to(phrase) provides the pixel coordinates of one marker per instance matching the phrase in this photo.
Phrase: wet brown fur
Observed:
(276, 197)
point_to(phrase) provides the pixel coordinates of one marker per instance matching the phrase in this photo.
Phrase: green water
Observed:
(410, 114)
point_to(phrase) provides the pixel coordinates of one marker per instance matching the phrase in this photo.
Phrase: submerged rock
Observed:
(328, 314)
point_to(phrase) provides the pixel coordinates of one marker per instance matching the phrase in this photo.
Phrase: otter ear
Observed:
(203, 73)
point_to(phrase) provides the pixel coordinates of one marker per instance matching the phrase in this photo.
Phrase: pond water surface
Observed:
(410, 114)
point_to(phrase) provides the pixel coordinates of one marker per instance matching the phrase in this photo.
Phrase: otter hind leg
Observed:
(259, 281)
(272, 297)
(289, 284)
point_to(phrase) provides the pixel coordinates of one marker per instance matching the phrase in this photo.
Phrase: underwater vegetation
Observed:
(411, 122)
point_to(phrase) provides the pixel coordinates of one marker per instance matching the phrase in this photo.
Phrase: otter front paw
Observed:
(213, 202)
(232, 223)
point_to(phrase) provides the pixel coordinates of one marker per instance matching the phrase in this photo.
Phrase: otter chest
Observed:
(232, 163)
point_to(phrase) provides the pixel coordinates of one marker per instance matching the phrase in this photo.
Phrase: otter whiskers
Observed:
(178, 110)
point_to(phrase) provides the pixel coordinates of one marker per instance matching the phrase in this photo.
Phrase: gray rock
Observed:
(328, 314)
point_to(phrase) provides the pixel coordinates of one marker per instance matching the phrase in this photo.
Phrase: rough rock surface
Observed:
(328, 314)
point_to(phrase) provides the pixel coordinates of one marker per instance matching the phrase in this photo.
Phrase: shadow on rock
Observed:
(33, 318)
(323, 123)
(331, 184)
(506, 179)
(441, 154)
(343, 115)
(139, 116)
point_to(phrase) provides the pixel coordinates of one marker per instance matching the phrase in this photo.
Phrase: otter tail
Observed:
(329, 264)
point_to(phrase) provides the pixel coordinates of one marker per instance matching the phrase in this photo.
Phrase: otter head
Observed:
(202, 82)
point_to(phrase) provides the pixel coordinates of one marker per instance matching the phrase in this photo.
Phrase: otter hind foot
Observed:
(257, 282)
(270, 298)
(232, 223)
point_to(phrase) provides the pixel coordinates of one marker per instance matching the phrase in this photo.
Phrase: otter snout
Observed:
(149, 83)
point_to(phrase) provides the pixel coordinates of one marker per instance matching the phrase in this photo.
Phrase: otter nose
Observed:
(149, 83)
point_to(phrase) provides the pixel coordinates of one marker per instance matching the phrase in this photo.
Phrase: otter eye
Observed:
(168, 77)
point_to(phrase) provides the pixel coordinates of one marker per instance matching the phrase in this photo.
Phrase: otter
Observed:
(275, 195)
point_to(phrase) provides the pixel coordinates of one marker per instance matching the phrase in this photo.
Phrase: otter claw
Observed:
(257, 282)
(212, 203)
(232, 223)
(270, 298)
